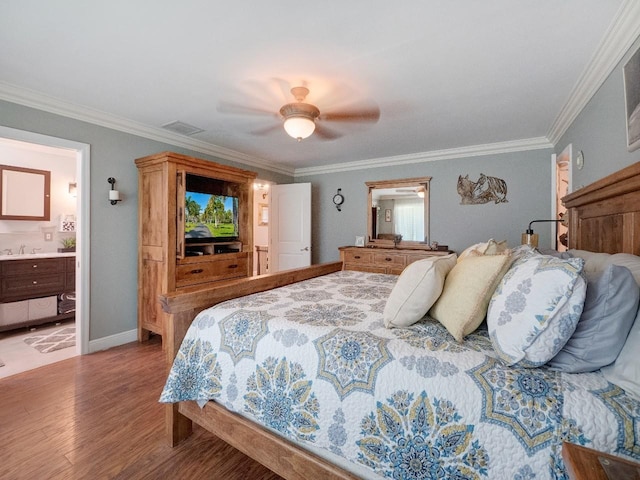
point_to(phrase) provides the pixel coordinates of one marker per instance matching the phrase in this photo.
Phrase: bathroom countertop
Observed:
(28, 256)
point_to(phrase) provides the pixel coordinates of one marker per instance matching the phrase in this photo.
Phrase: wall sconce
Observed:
(73, 189)
(530, 238)
(114, 195)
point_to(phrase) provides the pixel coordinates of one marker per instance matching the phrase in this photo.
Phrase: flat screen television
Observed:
(210, 218)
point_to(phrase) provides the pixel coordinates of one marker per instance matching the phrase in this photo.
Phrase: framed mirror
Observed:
(398, 213)
(25, 193)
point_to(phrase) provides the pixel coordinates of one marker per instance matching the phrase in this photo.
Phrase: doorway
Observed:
(80, 154)
(562, 187)
(261, 227)
(281, 226)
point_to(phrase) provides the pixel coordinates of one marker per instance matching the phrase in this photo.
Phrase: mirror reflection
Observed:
(399, 212)
(24, 193)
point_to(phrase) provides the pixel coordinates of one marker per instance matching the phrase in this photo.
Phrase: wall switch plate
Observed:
(48, 236)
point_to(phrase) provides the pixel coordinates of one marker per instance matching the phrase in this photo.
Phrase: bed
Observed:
(365, 401)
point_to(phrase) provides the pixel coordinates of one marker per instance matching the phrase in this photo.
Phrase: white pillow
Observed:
(535, 309)
(597, 262)
(485, 248)
(467, 290)
(418, 287)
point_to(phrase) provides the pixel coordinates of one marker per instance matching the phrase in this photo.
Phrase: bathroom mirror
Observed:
(25, 193)
(398, 208)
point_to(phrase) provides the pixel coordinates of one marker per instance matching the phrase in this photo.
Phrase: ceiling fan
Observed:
(301, 119)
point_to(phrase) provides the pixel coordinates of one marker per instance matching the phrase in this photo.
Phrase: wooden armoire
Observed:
(169, 259)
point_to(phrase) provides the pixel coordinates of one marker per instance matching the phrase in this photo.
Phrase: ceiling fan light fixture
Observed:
(299, 118)
(299, 127)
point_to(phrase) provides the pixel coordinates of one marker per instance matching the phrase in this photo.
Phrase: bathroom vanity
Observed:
(30, 288)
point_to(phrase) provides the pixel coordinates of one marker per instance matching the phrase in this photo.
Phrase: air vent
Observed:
(182, 128)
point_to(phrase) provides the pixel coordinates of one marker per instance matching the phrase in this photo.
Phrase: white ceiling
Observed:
(445, 74)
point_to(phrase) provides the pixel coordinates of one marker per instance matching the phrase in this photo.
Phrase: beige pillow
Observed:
(467, 290)
(416, 290)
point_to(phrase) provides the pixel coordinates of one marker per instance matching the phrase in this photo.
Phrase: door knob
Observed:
(305, 249)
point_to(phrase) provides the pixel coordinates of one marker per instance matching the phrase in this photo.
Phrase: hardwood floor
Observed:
(97, 416)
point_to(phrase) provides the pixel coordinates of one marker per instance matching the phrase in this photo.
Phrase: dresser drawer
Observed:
(195, 273)
(27, 286)
(365, 267)
(392, 259)
(358, 256)
(33, 267)
(382, 260)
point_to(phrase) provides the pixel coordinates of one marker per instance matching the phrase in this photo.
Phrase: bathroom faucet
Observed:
(8, 251)
(21, 251)
(33, 250)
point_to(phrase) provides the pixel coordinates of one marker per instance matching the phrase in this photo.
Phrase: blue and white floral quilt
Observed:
(314, 362)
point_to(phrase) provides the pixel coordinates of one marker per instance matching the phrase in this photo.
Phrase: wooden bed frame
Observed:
(603, 217)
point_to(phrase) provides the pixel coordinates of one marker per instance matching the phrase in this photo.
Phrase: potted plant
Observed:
(68, 245)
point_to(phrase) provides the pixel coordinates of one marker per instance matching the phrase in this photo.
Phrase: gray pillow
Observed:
(609, 311)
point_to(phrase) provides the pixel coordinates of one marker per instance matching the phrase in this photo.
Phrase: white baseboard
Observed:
(105, 343)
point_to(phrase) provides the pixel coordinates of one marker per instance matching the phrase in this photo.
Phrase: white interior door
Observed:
(290, 229)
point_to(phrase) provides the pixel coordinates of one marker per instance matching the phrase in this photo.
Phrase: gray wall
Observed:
(528, 177)
(113, 228)
(600, 131)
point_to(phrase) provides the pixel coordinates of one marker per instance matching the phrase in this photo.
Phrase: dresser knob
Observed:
(233, 266)
(35, 266)
(388, 259)
(357, 257)
(197, 270)
(35, 282)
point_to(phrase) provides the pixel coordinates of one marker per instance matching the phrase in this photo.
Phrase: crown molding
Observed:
(623, 31)
(432, 156)
(40, 101)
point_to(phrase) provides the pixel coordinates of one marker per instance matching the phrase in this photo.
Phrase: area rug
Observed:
(50, 342)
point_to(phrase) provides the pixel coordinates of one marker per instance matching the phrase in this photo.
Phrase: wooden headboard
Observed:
(605, 216)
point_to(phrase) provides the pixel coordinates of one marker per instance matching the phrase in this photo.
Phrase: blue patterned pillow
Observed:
(536, 308)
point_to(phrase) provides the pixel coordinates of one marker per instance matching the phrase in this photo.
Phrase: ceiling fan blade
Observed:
(326, 133)
(267, 130)
(284, 87)
(365, 114)
(338, 94)
(236, 109)
(261, 92)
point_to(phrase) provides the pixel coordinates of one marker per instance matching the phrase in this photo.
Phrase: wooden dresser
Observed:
(382, 260)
